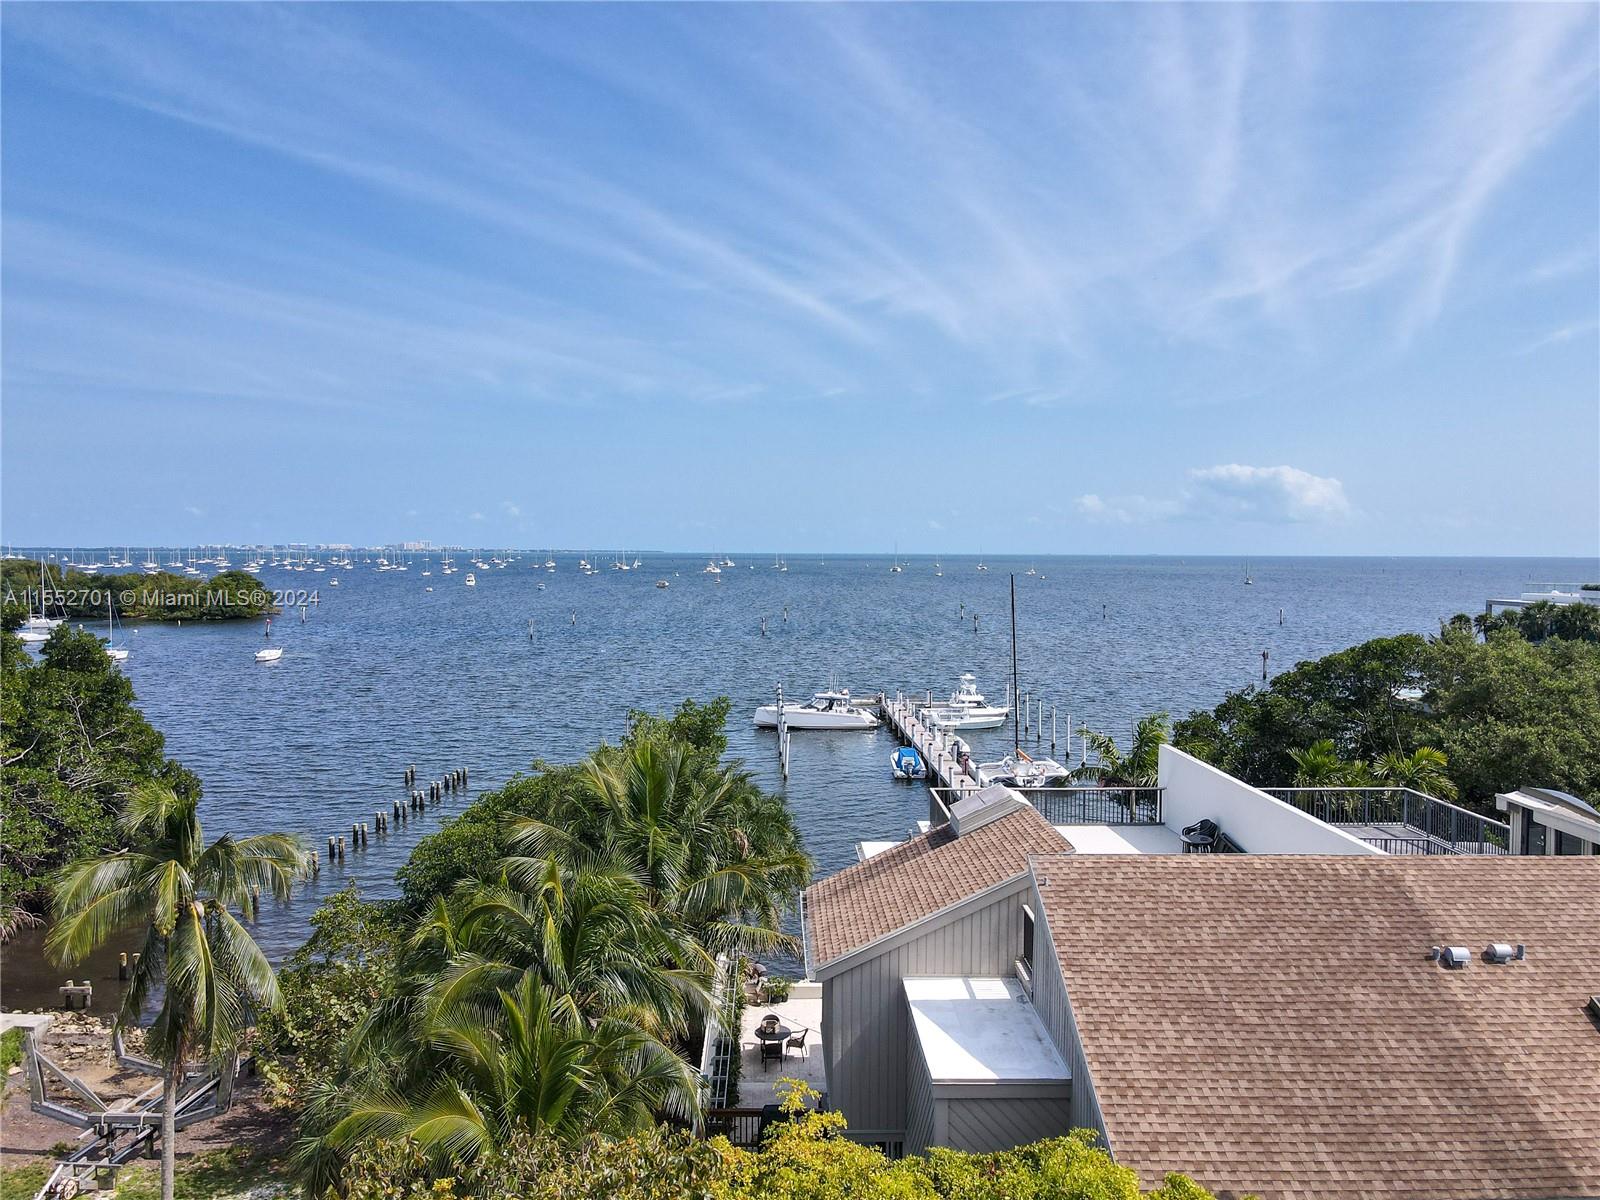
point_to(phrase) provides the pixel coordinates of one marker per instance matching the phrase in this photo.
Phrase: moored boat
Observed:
(825, 710)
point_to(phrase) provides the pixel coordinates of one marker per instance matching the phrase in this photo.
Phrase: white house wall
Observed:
(1261, 824)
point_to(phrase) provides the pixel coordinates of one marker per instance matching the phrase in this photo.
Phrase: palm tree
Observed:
(1423, 770)
(708, 846)
(211, 973)
(529, 1068)
(1140, 767)
(1319, 765)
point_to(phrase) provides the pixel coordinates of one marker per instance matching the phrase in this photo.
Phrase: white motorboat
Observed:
(825, 710)
(269, 654)
(967, 709)
(1021, 771)
(711, 568)
(662, 583)
(472, 580)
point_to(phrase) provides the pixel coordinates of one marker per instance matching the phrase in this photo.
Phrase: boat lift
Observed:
(120, 1134)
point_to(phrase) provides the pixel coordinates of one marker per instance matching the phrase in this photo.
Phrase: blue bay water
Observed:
(383, 673)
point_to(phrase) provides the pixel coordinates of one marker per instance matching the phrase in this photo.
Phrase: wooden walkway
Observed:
(900, 713)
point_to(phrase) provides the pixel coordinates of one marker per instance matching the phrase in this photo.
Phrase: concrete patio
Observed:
(802, 1010)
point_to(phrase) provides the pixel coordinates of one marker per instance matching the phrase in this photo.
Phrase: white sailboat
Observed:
(114, 652)
(39, 628)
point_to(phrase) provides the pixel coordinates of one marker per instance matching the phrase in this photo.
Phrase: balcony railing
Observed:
(1401, 816)
(1073, 805)
(741, 1126)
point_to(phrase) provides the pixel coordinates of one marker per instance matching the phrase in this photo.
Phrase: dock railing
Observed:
(1088, 805)
(1401, 819)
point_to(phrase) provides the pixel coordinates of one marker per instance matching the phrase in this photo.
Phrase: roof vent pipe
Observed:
(1504, 952)
(1453, 957)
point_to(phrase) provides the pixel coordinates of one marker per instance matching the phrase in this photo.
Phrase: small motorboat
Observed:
(1023, 772)
(825, 710)
(472, 580)
(269, 654)
(906, 763)
(662, 583)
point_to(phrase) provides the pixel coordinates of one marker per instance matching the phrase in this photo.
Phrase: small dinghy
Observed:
(270, 654)
(906, 763)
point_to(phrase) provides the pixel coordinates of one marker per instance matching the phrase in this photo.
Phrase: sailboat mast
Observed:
(1016, 728)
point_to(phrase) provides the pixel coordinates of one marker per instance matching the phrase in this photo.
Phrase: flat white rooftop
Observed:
(981, 1030)
(1122, 839)
(865, 850)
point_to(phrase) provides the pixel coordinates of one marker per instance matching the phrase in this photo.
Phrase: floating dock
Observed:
(936, 746)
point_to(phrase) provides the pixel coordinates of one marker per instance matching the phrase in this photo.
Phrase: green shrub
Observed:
(10, 1049)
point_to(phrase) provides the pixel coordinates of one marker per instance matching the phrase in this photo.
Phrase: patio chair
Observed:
(1201, 836)
(771, 1052)
(798, 1044)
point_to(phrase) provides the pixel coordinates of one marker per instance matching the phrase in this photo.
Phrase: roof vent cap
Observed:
(1453, 957)
(1504, 952)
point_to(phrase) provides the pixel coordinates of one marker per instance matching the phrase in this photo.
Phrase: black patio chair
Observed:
(1201, 837)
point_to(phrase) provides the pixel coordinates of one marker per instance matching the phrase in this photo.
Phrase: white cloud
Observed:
(512, 510)
(1266, 494)
(193, 511)
(1271, 494)
(477, 516)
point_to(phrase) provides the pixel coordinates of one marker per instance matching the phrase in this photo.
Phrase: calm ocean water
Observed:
(383, 673)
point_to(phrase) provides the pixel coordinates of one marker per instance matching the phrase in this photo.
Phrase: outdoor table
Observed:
(775, 1039)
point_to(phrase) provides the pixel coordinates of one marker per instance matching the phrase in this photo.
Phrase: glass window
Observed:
(1567, 843)
(1027, 938)
(1533, 835)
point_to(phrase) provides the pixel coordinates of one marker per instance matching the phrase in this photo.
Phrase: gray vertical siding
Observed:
(999, 1124)
(920, 1103)
(866, 1024)
(1051, 1002)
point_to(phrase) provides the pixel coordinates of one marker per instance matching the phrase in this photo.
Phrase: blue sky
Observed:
(1286, 279)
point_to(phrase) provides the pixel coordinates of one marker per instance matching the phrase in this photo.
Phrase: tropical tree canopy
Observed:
(183, 893)
(212, 976)
(1139, 767)
(554, 988)
(73, 747)
(1450, 716)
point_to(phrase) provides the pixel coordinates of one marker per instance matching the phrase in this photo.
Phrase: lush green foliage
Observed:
(806, 1158)
(10, 1049)
(1139, 766)
(72, 749)
(558, 969)
(1492, 715)
(228, 596)
(211, 976)
(345, 969)
(1542, 620)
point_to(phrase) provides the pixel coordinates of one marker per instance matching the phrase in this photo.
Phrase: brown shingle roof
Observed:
(1271, 1024)
(918, 878)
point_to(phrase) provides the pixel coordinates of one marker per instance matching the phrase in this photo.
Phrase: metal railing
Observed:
(1074, 805)
(1453, 829)
(741, 1126)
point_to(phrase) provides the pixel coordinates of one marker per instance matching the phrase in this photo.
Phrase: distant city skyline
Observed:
(1203, 280)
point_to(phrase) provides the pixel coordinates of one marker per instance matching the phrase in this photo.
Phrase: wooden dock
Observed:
(935, 745)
